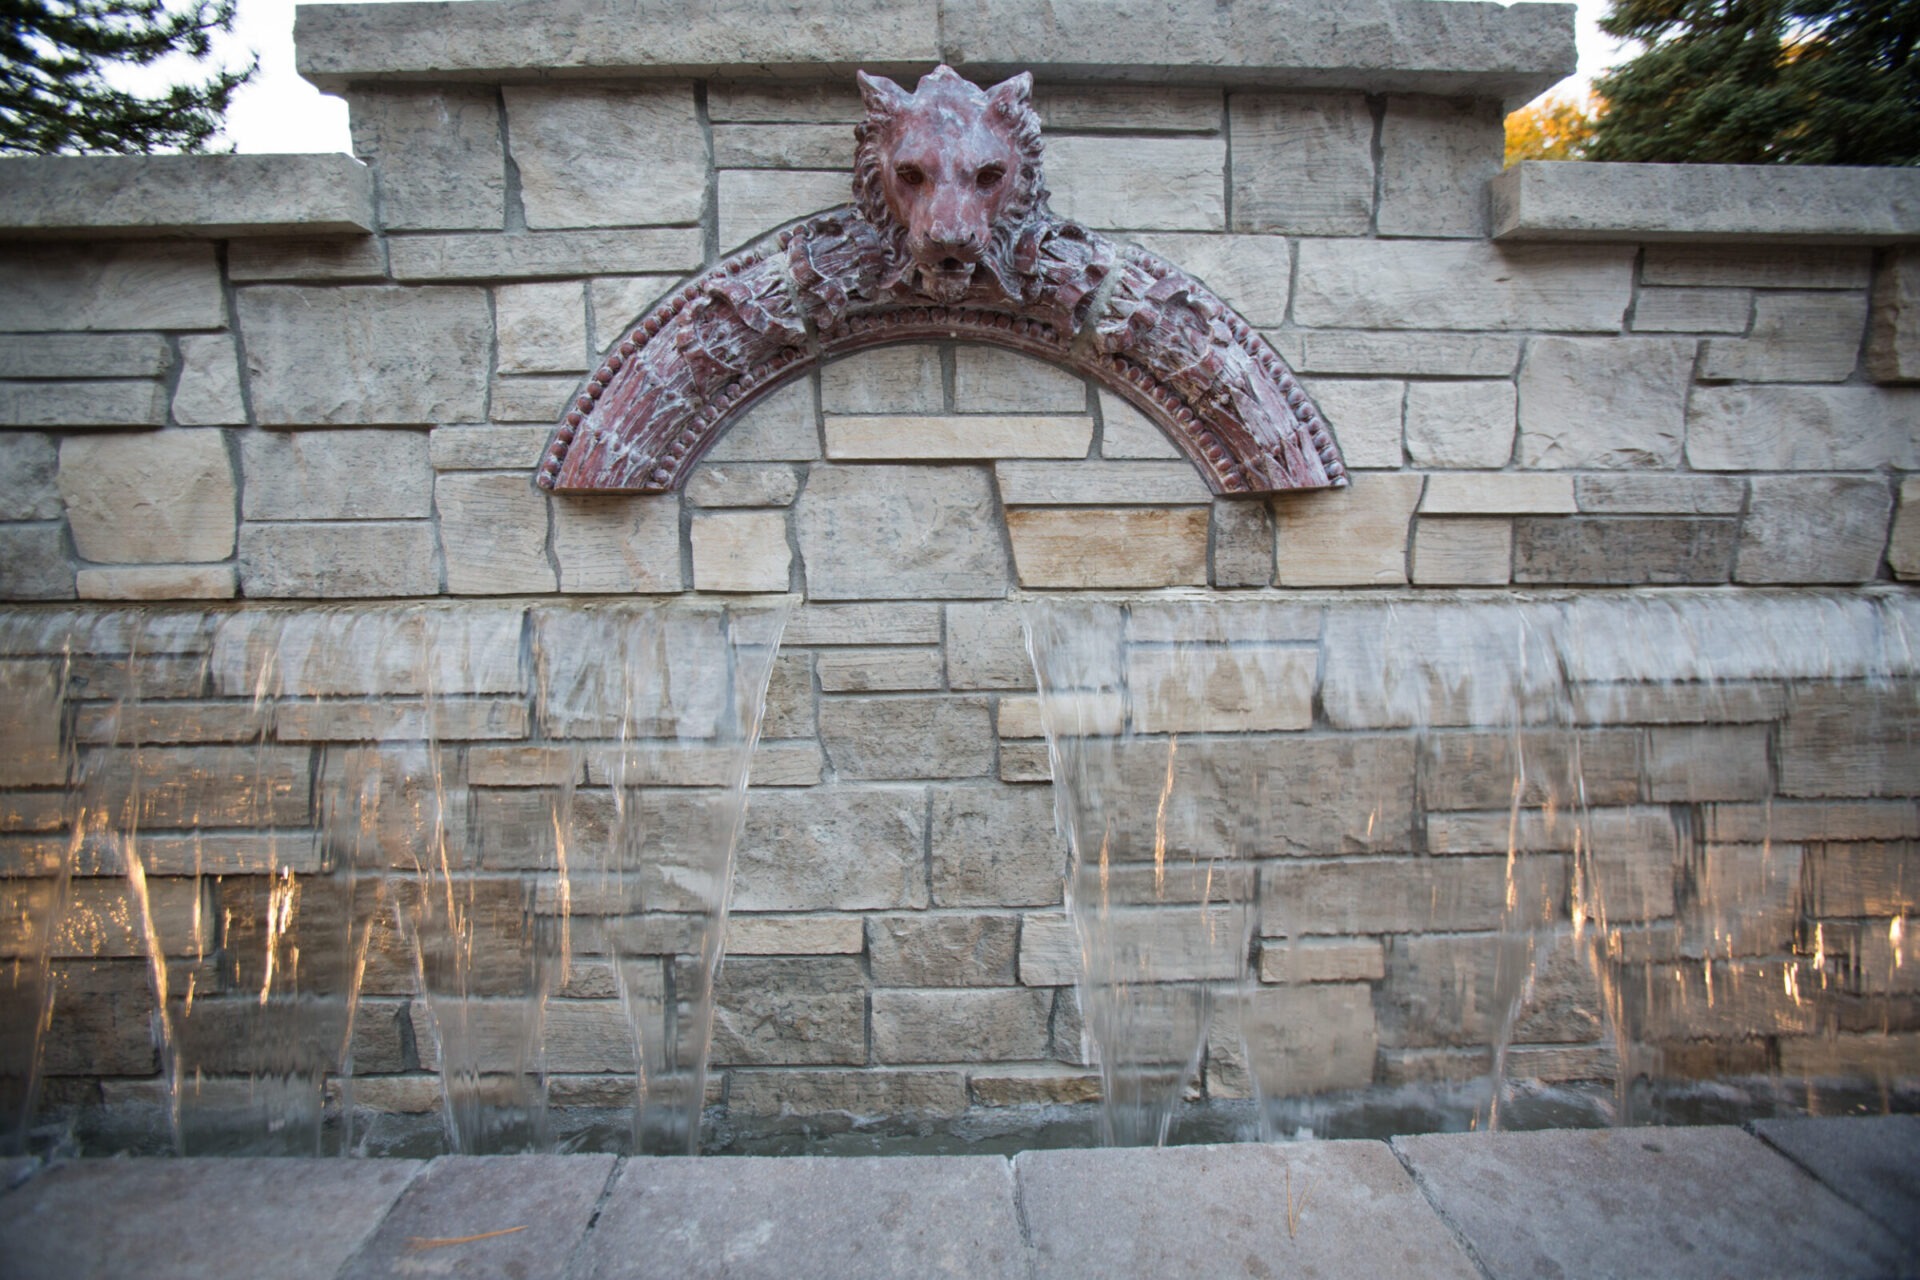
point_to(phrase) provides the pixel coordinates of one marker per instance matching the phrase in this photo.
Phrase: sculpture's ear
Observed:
(1015, 92)
(882, 96)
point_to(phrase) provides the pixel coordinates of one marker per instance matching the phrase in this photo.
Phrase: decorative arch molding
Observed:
(949, 237)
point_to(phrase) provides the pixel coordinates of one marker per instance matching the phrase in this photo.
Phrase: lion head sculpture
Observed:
(950, 174)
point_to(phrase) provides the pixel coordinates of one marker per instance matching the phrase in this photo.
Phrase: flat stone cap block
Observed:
(1447, 47)
(1756, 203)
(1872, 1161)
(206, 196)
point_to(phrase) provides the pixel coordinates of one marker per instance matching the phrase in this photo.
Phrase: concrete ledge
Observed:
(1398, 46)
(1755, 203)
(205, 196)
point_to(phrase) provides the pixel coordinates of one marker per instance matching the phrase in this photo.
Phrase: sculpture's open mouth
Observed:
(948, 281)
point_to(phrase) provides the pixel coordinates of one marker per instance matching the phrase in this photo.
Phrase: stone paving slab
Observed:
(479, 1217)
(196, 1219)
(745, 1217)
(1224, 1210)
(1873, 1162)
(1675, 1203)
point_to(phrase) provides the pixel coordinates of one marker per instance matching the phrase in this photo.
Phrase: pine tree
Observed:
(1764, 82)
(54, 98)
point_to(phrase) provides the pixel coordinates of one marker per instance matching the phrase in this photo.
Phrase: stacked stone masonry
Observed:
(262, 416)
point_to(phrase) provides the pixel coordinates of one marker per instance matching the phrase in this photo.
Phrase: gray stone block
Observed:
(1659, 310)
(28, 464)
(1325, 1208)
(1702, 1202)
(1814, 529)
(986, 648)
(123, 402)
(1277, 139)
(336, 475)
(636, 251)
(894, 669)
(599, 156)
(326, 561)
(1128, 108)
(1618, 403)
(1623, 550)
(1869, 1161)
(1419, 284)
(435, 153)
(540, 328)
(1804, 337)
(1893, 338)
(1139, 183)
(1125, 432)
(1366, 417)
(1463, 552)
(1242, 544)
(858, 1094)
(790, 1010)
(493, 534)
(755, 202)
(995, 846)
(862, 1218)
(80, 355)
(781, 146)
(157, 498)
(909, 736)
(1803, 428)
(356, 354)
(1903, 545)
(993, 380)
(942, 950)
(1096, 484)
(208, 393)
(159, 582)
(987, 1024)
(899, 379)
(1780, 266)
(1446, 355)
(1660, 495)
(34, 563)
(1460, 424)
(208, 196)
(1293, 1041)
(892, 532)
(1436, 158)
(146, 285)
(339, 258)
(832, 848)
(1541, 200)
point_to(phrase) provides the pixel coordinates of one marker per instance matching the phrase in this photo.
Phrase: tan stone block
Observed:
(1323, 960)
(303, 258)
(1464, 552)
(994, 846)
(208, 394)
(493, 533)
(1459, 284)
(1279, 137)
(1085, 483)
(487, 448)
(622, 251)
(101, 920)
(328, 560)
(1110, 547)
(833, 849)
(540, 400)
(1024, 716)
(30, 697)
(78, 405)
(1658, 495)
(1804, 337)
(540, 328)
(742, 484)
(1129, 108)
(757, 935)
(1353, 536)
(756, 202)
(1814, 529)
(1893, 335)
(1604, 403)
(1049, 950)
(616, 304)
(922, 950)
(1242, 543)
(156, 284)
(980, 1025)
(1787, 428)
(1365, 417)
(900, 379)
(1424, 355)
(435, 152)
(782, 146)
(870, 438)
(617, 543)
(865, 624)
(1498, 493)
(149, 499)
(1239, 690)
(900, 532)
(1029, 1085)
(1903, 546)
(1125, 432)
(888, 670)
(741, 551)
(1797, 266)
(158, 582)
(1025, 762)
(856, 1093)
(1299, 1040)
(1713, 702)
(1436, 158)
(361, 474)
(784, 426)
(605, 156)
(1139, 183)
(1460, 424)
(992, 380)
(907, 736)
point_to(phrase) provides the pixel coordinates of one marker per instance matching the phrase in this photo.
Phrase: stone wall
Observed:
(211, 407)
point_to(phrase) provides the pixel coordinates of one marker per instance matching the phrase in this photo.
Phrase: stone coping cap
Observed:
(1756, 203)
(184, 195)
(1448, 47)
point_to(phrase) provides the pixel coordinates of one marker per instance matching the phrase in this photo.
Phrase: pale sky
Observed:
(281, 112)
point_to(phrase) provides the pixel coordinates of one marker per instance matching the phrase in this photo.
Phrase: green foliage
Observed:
(1764, 82)
(54, 97)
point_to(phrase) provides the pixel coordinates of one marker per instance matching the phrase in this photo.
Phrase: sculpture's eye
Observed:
(989, 176)
(910, 175)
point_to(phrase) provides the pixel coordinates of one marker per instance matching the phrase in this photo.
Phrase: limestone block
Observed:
(164, 498)
(1460, 424)
(1279, 138)
(1387, 895)
(629, 251)
(942, 951)
(342, 259)
(336, 475)
(531, 399)
(1893, 333)
(789, 711)
(1366, 417)
(1418, 284)
(1500, 492)
(486, 448)
(208, 394)
(540, 328)
(1814, 529)
(78, 405)
(329, 561)
(740, 551)
(783, 426)
(1251, 274)
(1027, 1084)
(742, 484)
(751, 935)
(1129, 108)
(1623, 550)
(893, 623)
(1660, 495)
(1025, 717)
(884, 437)
(1847, 740)
(158, 582)
(755, 202)
(140, 285)
(28, 463)
(1796, 337)
(617, 543)
(599, 156)
(85, 355)
(986, 648)
(1251, 689)
(1695, 763)
(782, 146)
(894, 532)
(1445, 355)
(993, 380)
(1242, 543)
(901, 379)
(1323, 960)
(1619, 403)
(1659, 310)
(493, 533)
(1110, 547)
(908, 736)
(1348, 537)
(994, 846)
(890, 670)
(1803, 428)
(1442, 991)
(790, 1010)
(616, 303)
(1903, 547)
(1465, 552)
(1471, 770)
(832, 848)
(857, 1093)
(33, 562)
(1098, 483)
(1798, 266)
(1049, 950)
(360, 354)
(436, 155)
(981, 1025)
(1025, 762)
(1125, 432)
(802, 102)
(1436, 158)
(1139, 183)
(1298, 1040)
